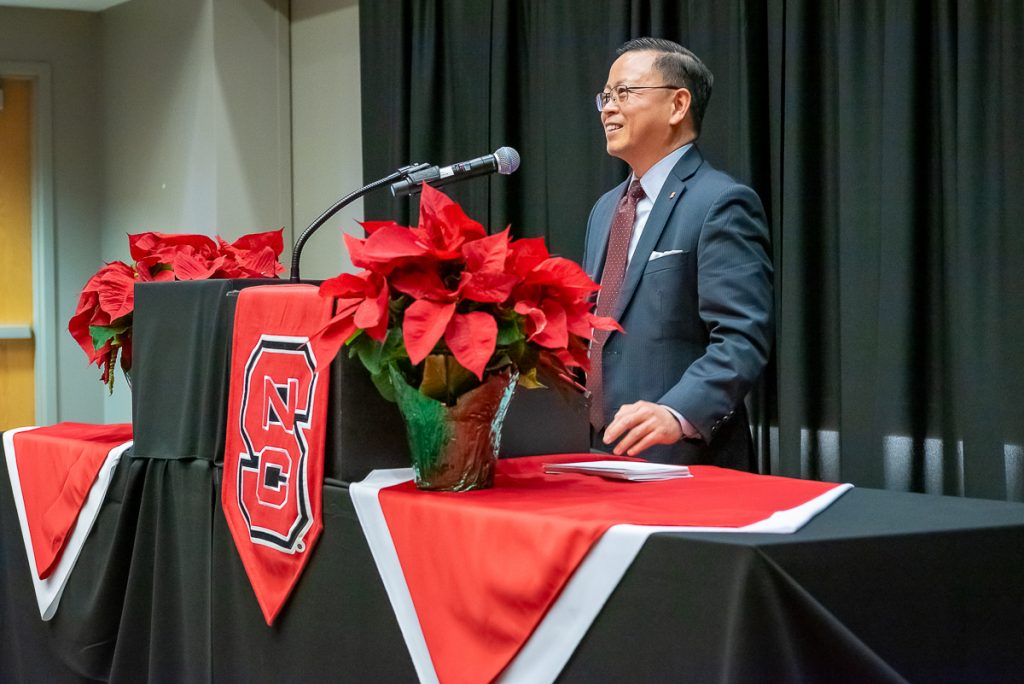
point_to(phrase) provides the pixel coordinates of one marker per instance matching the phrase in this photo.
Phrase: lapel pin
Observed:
(672, 195)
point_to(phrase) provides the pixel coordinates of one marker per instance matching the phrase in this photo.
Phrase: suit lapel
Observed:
(598, 247)
(671, 193)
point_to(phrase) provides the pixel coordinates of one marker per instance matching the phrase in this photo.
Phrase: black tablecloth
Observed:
(882, 586)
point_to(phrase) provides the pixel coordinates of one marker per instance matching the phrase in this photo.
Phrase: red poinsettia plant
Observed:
(102, 324)
(444, 304)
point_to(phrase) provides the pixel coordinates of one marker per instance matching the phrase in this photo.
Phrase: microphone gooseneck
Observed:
(403, 172)
(504, 160)
(408, 180)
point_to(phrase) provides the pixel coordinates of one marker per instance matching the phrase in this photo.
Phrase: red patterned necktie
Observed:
(611, 284)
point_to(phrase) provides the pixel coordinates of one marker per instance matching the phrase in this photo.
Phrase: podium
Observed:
(182, 346)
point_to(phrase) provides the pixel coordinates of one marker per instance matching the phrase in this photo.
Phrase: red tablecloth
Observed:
(59, 476)
(482, 569)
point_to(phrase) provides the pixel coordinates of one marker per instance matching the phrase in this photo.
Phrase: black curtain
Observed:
(884, 138)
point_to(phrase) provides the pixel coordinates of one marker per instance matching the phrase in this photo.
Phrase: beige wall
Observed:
(326, 137)
(203, 116)
(196, 123)
(69, 43)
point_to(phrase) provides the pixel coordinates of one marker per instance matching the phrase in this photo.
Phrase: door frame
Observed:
(44, 275)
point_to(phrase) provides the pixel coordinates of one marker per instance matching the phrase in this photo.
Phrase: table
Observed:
(882, 586)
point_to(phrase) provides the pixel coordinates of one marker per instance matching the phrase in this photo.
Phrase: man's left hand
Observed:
(641, 425)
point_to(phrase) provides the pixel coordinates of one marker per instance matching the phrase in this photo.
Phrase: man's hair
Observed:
(679, 67)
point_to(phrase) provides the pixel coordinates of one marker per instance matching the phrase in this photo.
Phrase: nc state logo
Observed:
(272, 483)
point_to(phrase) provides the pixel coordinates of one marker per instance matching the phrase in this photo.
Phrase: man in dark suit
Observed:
(681, 252)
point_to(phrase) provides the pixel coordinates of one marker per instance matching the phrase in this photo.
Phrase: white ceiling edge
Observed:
(80, 5)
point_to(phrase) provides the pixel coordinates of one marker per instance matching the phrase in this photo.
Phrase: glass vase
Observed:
(455, 448)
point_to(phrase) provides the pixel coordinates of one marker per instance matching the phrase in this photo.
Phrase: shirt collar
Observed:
(656, 176)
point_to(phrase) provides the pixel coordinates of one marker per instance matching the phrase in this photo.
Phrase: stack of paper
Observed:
(634, 471)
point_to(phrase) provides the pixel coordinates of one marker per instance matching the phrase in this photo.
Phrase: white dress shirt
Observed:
(652, 183)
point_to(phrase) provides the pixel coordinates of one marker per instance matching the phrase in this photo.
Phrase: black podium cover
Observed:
(182, 343)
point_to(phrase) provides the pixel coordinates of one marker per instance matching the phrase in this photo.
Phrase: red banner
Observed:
(274, 452)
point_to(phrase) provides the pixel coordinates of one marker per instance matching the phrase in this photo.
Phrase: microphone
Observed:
(403, 172)
(504, 160)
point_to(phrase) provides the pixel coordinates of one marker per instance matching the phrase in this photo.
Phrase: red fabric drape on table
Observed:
(57, 466)
(484, 566)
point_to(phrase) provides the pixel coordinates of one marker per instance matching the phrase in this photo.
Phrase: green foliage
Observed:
(101, 334)
(445, 379)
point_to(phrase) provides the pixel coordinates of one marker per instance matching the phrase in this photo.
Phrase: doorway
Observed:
(27, 283)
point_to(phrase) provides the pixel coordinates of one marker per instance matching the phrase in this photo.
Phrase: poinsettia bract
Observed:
(102, 323)
(447, 289)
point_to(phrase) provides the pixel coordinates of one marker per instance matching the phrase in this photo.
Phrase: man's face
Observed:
(638, 131)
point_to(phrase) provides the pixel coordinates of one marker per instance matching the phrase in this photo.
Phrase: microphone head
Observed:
(508, 160)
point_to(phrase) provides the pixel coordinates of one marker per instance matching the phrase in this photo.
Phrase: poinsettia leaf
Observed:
(525, 254)
(488, 287)
(126, 351)
(78, 326)
(524, 355)
(605, 323)
(555, 333)
(167, 245)
(141, 245)
(499, 361)
(103, 335)
(87, 300)
(562, 273)
(117, 298)
(423, 325)
(444, 222)
(460, 380)
(553, 367)
(394, 346)
(509, 331)
(256, 264)
(421, 281)
(577, 317)
(190, 266)
(390, 244)
(528, 380)
(445, 379)
(356, 247)
(255, 243)
(373, 310)
(435, 377)
(382, 381)
(328, 339)
(106, 298)
(371, 227)
(573, 357)
(536, 321)
(472, 338)
(454, 220)
(379, 331)
(346, 285)
(487, 253)
(370, 353)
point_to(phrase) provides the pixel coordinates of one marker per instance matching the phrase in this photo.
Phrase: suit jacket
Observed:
(696, 305)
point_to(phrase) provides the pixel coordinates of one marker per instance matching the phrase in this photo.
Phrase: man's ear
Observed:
(680, 106)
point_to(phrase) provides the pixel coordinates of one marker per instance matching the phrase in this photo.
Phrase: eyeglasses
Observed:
(620, 94)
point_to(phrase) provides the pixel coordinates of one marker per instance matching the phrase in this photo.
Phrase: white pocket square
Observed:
(658, 255)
